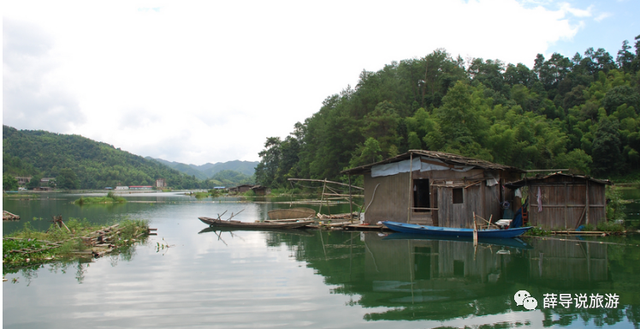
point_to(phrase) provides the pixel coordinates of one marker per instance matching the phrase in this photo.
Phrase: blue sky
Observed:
(209, 81)
(610, 23)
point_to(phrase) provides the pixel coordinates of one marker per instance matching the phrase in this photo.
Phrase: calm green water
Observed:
(314, 279)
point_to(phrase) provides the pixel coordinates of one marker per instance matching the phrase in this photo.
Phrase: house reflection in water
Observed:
(568, 264)
(441, 279)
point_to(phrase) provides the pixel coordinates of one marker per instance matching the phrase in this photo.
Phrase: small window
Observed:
(457, 195)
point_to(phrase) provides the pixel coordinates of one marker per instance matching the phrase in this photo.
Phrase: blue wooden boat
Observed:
(455, 232)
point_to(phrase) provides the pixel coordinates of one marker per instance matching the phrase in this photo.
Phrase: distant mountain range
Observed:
(208, 170)
(81, 163)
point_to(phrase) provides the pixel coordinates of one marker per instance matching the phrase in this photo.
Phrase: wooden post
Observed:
(483, 184)
(410, 186)
(475, 230)
(586, 207)
(324, 185)
(566, 201)
(350, 202)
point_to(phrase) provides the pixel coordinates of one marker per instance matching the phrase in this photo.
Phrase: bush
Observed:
(610, 227)
(615, 206)
(537, 231)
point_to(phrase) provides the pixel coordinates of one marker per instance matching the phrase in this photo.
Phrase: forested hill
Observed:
(208, 170)
(78, 162)
(580, 113)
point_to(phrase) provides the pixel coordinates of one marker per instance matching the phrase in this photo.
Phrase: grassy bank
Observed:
(111, 198)
(67, 240)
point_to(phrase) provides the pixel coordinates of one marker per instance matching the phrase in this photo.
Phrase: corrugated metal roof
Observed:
(448, 158)
(548, 178)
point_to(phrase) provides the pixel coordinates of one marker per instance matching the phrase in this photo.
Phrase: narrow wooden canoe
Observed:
(292, 213)
(213, 222)
(455, 232)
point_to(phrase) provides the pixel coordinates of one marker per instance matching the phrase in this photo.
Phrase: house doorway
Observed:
(421, 195)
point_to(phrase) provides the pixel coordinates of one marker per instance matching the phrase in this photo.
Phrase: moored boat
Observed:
(455, 232)
(214, 222)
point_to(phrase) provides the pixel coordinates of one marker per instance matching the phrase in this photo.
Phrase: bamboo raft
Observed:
(7, 216)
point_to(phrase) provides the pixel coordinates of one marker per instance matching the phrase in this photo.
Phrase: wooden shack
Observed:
(563, 201)
(240, 189)
(434, 188)
(260, 190)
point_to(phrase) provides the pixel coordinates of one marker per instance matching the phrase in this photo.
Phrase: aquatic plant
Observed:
(29, 247)
(111, 198)
(537, 231)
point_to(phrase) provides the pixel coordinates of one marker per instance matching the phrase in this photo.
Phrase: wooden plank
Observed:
(410, 196)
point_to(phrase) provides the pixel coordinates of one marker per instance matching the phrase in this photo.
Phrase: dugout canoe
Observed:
(235, 224)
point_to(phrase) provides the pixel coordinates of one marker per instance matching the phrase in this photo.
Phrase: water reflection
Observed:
(313, 278)
(423, 279)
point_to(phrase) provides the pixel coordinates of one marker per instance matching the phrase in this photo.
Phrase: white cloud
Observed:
(202, 81)
(603, 16)
(28, 84)
(576, 11)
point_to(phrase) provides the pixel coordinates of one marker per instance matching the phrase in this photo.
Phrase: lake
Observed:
(191, 277)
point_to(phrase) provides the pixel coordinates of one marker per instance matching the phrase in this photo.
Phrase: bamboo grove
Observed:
(580, 113)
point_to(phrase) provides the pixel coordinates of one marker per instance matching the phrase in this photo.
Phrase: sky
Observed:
(208, 81)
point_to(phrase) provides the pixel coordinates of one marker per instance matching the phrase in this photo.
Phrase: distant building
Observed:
(23, 180)
(160, 183)
(47, 183)
(260, 190)
(240, 188)
(140, 187)
(122, 187)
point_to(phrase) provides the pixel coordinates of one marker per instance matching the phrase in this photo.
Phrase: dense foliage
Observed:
(78, 162)
(229, 178)
(580, 113)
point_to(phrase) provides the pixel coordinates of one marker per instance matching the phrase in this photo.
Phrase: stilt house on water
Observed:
(562, 201)
(434, 188)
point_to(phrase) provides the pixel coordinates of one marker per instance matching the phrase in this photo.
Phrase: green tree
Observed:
(9, 183)
(368, 153)
(267, 169)
(414, 141)
(67, 179)
(606, 150)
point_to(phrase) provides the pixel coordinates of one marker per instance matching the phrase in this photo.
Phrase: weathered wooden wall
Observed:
(391, 199)
(394, 197)
(564, 204)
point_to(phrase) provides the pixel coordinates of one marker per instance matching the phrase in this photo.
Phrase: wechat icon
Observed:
(523, 298)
